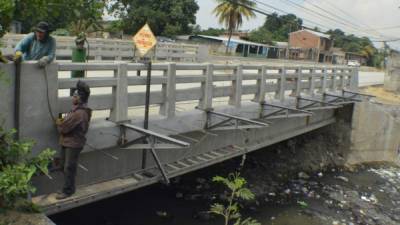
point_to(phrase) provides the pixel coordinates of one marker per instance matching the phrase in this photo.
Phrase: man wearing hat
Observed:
(38, 45)
(73, 128)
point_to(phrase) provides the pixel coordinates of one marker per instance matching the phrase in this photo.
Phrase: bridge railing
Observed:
(118, 93)
(115, 49)
(201, 84)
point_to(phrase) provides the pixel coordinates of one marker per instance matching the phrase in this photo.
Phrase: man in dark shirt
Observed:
(73, 128)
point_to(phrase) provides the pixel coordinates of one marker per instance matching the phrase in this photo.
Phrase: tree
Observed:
(231, 13)
(281, 26)
(6, 14)
(59, 13)
(362, 46)
(88, 16)
(261, 35)
(276, 28)
(168, 18)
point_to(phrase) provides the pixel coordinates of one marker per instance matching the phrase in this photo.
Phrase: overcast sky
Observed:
(372, 18)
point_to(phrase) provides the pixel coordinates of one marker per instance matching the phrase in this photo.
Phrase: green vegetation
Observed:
(213, 32)
(17, 167)
(230, 211)
(276, 28)
(59, 13)
(231, 13)
(362, 46)
(168, 18)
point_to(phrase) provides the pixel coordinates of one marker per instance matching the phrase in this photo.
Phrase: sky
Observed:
(377, 19)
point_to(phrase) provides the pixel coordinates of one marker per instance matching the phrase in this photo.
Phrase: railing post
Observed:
(169, 91)
(297, 90)
(261, 85)
(119, 112)
(280, 93)
(311, 81)
(354, 79)
(207, 88)
(236, 94)
(334, 82)
(324, 77)
(342, 79)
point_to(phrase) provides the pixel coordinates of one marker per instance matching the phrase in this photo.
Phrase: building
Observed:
(239, 47)
(357, 57)
(310, 45)
(338, 56)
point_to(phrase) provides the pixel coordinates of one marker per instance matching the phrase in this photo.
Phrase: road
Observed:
(370, 78)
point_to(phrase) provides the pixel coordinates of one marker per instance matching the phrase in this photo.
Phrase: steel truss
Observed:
(228, 118)
(282, 111)
(154, 141)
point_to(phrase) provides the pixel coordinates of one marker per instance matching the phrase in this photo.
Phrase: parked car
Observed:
(353, 63)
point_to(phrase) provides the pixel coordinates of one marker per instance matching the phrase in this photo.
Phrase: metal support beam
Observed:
(337, 97)
(156, 135)
(152, 144)
(344, 91)
(281, 109)
(152, 140)
(313, 102)
(229, 118)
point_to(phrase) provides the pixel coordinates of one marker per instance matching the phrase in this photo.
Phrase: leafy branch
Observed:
(230, 210)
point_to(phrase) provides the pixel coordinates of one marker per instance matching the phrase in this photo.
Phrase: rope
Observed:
(48, 95)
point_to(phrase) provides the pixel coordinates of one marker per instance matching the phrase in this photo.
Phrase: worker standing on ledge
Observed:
(73, 128)
(38, 45)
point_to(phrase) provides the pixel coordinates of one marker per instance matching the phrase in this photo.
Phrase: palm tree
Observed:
(231, 13)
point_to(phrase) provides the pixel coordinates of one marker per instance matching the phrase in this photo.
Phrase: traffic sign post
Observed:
(144, 41)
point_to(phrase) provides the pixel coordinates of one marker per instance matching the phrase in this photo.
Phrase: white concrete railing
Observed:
(116, 49)
(267, 79)
(117, 92)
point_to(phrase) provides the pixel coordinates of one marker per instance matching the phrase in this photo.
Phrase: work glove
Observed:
(17, 56)
(59, 121)
(43, 61)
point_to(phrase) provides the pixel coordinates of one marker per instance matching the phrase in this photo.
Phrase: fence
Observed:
(115, 49)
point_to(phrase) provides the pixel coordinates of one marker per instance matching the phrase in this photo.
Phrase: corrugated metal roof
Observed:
(234, 40)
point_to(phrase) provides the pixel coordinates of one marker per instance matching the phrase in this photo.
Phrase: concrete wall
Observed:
(7, 84)
(304, 39)
(375, 135)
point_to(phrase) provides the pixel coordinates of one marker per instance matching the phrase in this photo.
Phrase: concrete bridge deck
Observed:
(236, 90)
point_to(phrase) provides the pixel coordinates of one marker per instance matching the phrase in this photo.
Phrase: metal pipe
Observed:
(17, 94)
(146, 110)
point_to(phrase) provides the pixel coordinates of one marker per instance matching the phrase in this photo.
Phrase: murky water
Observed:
(368, 196)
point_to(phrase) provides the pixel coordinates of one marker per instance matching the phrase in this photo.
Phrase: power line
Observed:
(330, 13)
(333, 6)
(282, 11)
(385, 28)
(313, 13)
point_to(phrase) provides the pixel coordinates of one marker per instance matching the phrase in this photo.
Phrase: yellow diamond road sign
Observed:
(144, 40)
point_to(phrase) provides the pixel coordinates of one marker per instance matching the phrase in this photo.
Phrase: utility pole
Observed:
(385, 55)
